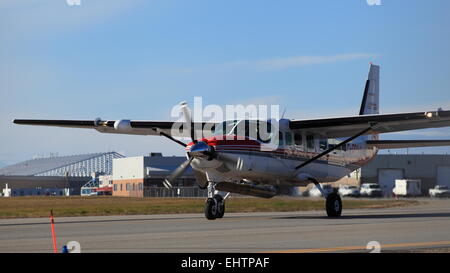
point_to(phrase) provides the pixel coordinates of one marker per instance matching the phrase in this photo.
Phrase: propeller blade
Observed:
(177, 173)
(188, 120)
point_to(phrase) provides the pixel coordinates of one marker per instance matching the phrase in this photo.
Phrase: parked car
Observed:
(347, 190)
(370, 190)
(314, 192)
(439, 191)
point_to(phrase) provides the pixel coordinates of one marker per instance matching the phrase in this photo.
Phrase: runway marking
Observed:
(343, 248)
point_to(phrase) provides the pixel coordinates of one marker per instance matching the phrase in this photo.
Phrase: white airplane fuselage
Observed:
(258, 162)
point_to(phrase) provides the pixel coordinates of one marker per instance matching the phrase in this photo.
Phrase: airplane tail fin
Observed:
(370, 102)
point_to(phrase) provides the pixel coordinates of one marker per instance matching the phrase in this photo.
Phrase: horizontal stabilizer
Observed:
(398, 144)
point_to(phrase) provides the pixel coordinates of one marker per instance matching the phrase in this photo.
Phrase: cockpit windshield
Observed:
(224, 128)
(254, 129)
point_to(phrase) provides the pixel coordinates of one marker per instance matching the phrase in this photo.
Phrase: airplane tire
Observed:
(220, 206)
(334, 205)
(210, 209)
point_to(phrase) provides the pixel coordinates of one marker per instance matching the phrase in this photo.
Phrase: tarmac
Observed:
(408, 229)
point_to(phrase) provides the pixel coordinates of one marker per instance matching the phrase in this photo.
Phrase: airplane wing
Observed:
(398, 144)
(123, 126)
(349, 126)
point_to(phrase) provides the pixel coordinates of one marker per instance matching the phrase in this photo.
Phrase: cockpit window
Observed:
(254, 129)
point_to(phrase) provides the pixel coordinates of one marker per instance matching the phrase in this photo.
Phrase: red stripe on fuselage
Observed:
(229, 141)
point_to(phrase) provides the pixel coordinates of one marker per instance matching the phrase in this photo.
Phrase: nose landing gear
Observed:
(215, 204)
(214, 207)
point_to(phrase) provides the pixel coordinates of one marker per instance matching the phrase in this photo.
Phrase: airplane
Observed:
(250, 162)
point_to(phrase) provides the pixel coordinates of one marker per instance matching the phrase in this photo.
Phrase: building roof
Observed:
(58, 166)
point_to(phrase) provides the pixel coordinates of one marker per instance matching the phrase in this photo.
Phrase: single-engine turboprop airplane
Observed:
(244, 162)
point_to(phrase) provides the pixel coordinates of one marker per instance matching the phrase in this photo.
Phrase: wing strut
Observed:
(169, 137)
(334, 148)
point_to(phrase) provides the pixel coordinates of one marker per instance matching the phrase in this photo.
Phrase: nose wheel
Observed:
(214, 207)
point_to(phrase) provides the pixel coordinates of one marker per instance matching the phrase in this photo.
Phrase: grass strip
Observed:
(40, 206)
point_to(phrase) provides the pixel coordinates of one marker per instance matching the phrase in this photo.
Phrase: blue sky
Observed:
(137, 59)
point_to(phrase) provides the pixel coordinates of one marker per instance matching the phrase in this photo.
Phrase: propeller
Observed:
(178, 172)
(199, 149)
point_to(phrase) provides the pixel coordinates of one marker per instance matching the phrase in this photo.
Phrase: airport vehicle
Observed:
(348, 190)
(315, 192)
(439, 191)
(407, 187)
(258, 156)
(370, 190)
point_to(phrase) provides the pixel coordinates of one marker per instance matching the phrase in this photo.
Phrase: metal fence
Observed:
(175, 192)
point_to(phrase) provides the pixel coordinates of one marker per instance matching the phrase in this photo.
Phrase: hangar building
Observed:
(385, 168)
(57, 175)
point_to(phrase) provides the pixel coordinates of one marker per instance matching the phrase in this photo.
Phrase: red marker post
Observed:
(52, 223)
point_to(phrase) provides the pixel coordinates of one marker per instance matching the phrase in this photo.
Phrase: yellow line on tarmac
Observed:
(343, 248)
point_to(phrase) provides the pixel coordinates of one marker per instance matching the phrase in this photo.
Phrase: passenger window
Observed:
(288, 138)
(298, 140)
(323, 143)
(310, 142)
(280, 139)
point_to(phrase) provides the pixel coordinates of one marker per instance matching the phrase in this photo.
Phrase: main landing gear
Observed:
(333, 204)
(215, 204)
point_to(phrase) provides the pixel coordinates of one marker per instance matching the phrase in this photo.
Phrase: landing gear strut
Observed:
(214, 205)
(333, 203)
